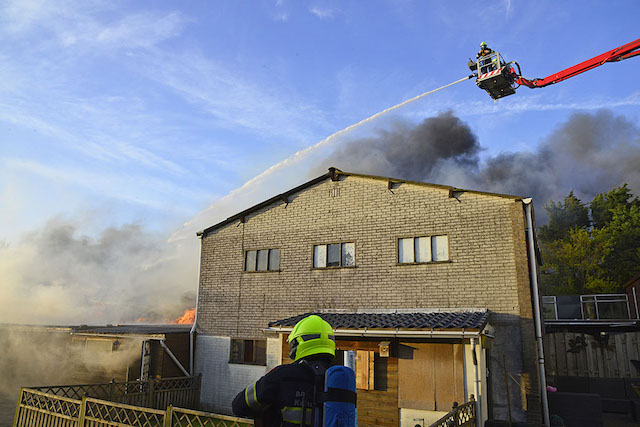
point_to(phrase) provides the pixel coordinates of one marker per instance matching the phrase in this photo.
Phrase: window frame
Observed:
(255, 359)
(333, 267)
(257, 251)
(430, 236)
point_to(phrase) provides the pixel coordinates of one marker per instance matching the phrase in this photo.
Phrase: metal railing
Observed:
(155, 393)
(460, 415)
(587, 307)
(37, 408)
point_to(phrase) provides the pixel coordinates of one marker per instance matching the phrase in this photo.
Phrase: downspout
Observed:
(533, 269)
(477, 383)
(195, 317)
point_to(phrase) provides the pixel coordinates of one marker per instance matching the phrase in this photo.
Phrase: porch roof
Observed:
(435, 323)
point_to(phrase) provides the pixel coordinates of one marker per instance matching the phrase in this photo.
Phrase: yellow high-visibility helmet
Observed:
(312, 335)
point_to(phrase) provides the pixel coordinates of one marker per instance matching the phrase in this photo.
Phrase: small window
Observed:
(249, 352)
(414, 250)
(262, 260)
(380, 372)
(334, 255)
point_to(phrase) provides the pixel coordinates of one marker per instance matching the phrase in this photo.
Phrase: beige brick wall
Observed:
(488, 265)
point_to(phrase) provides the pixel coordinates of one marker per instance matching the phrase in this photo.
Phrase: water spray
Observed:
(302, 153)
(331, 138)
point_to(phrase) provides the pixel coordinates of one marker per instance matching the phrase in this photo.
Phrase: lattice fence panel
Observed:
(176, 383)
(37, 408)
(189, 418)
(99, 412)
(98, 391)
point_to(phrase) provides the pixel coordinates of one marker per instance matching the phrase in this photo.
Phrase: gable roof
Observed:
(334, 174)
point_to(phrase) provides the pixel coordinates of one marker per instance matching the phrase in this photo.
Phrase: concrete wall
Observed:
(487, 269)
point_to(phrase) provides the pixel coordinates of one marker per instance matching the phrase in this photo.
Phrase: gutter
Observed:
(533, 270)
(392, 333)
(195, 317)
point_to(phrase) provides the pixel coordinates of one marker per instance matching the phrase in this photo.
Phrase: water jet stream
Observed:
(303, 153)
(300, 154)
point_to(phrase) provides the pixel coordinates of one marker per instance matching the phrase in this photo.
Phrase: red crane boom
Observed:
(500, 78)
(618, 54)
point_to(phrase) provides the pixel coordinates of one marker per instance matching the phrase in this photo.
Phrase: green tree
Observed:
(623, 230)
(604, 204)
(596, 256)
(576, 263)
(563, 217)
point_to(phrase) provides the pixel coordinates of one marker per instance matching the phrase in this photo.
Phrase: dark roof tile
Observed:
(433, 320)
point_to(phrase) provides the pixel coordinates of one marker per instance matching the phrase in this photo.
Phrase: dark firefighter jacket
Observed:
(279, 396)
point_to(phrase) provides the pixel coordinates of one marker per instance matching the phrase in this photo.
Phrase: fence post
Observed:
(83, 409)
(15, 418)
(150, 392)
(196, 404)
(472, 399)
(111, 387)
(168, 415)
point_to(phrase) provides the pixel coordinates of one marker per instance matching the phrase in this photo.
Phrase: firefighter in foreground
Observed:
(292, 395)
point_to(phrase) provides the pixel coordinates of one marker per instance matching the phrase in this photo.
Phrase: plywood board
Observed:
(430, 376)
(416, 376)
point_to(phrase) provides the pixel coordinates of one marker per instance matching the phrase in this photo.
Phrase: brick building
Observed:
(427, 286)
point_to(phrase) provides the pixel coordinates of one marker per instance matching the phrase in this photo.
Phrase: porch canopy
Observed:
(400, 324)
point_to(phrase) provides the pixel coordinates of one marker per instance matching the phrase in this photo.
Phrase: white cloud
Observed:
(233, 100)
(75, 24)
(322, 13)
(143, 30)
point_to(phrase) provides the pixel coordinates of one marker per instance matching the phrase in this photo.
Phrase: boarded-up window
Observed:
(440, 248)
(405, 250)
(365, 369)
(274, 259)
(262, 260)
(99, 346)
(250, 261)
(423, 249)
(334, 255)
(320, 256)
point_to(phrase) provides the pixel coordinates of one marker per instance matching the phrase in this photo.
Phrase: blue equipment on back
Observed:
(340, 397)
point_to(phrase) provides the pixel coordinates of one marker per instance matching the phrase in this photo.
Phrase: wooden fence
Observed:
(156, 393)
(37, 408)
(460, 416)
(582, 355)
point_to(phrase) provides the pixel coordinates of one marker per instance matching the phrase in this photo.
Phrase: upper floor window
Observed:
(334, 255)
(262, 260)
(414, 250)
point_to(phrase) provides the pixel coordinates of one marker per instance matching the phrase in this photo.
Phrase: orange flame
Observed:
(188, 317)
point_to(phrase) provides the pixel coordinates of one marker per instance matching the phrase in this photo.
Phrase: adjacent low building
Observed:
(428, 287)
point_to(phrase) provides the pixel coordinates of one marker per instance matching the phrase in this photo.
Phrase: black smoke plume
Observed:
(590, 153)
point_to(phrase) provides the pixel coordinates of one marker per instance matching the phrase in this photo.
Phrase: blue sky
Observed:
(147, 112)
